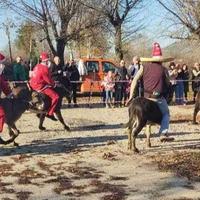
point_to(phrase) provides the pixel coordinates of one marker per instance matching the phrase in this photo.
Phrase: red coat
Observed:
(40, 77)
(4, 86)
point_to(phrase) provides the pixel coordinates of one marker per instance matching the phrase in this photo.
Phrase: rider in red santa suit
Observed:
(4, 87)
(40, 80)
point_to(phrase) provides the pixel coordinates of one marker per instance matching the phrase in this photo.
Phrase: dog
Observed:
(141, 111)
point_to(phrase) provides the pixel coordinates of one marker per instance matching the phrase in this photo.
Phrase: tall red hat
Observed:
(2, 58)
(156, 55)
(156, 51)
(44, 56)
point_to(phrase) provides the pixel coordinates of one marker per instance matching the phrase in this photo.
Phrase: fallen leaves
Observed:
(185, 164)
(109, 156)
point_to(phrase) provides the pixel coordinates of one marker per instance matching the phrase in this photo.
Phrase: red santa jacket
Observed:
(40, 77)
(4, 86)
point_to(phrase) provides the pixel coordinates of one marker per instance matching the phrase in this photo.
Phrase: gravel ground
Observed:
(92, 161)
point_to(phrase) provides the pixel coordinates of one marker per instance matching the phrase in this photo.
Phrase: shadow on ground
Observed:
(56, 146)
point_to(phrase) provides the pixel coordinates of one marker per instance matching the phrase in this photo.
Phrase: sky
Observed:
(154, 15)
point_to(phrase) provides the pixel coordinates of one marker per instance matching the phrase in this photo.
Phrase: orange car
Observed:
(92, 72)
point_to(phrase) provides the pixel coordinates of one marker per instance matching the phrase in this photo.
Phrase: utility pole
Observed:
(7, 26)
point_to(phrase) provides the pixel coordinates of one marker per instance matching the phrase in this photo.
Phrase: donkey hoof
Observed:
(16, 144)
(67, 128)
(136, 151)
(2, 141)
(149, 145)
(42, 128)
(195, 123)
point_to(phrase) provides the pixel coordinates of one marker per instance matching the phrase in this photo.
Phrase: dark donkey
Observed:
(14, 108)
(196, 108)
(62, 91)
(141, 112)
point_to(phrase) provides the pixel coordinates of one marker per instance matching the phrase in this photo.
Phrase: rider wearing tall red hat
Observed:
(4, 87)
(41, 81)
(155, 82)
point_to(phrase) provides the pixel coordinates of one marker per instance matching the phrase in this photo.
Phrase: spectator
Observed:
(195, 80)
(73, 76)
(185, 81)
(172, 76)
(118, 90)
(27, 69)
(122, 71)
(109, 88)
(132, 71)
(179, 89)
(56, 70)
(19, 73)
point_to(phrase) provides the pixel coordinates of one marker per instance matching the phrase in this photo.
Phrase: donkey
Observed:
(62, 91)
(141, 111)
(14, 108)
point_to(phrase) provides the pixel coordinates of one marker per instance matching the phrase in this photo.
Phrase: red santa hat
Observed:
(2, 58)
(157, 55)
(156, 51)
(44, 56)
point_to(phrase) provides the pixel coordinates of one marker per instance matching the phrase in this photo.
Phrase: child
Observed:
(109, 88)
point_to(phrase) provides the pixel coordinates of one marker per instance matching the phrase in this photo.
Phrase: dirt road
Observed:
(92, 161)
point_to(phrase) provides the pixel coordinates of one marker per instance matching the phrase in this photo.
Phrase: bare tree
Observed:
(185, 17)
(7, 26)
(119, 13)
(60, 20)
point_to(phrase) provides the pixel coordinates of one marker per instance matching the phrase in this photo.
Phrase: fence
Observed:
(90, 99)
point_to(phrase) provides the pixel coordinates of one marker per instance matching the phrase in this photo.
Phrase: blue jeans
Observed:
(179, 91)
(163, 106)
(109, 96)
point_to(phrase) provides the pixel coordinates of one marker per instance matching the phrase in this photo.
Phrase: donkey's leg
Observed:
(196, 110)
(42, 118)
(13, 132)
(130, 143)
(137, 127)
(60, 118)
(148, 133)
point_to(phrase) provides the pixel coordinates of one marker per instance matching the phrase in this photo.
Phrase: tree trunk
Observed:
(60, 50)
(118, 42)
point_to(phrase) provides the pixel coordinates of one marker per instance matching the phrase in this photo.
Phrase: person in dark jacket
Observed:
(118, 90)
(74, 75)
(186, 77)
(56, 69)
(19, 73)
(122, 71)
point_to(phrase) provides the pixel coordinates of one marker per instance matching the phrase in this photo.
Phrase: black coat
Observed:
(56, 72)
(73, 73)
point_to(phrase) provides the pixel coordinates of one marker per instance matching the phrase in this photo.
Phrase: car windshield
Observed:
(107, 66)
(92, 66)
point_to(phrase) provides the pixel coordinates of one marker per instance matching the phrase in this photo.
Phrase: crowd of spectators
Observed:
(116, 84)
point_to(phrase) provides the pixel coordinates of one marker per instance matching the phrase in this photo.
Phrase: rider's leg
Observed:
(54, 99)
(163, 106)
(2, 118)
